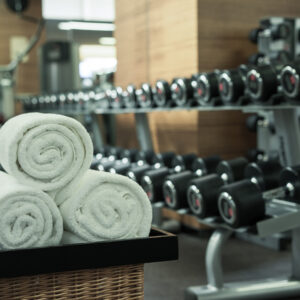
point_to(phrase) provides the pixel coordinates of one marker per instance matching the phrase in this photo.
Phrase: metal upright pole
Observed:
(143, 131)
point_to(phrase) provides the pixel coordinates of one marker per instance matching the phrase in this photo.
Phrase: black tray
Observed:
(159, 246)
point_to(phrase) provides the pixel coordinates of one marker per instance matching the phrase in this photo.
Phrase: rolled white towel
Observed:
(46, 151)
(106, 206)
(29, 218)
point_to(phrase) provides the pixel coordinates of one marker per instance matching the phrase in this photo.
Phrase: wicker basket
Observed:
(121, 282)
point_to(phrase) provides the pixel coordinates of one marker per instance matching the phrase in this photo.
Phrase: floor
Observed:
(241, 261)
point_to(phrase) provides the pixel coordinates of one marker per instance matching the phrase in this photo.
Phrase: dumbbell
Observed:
(129, 96)
(181, 91)
(254, 155)
(205, 165)
(41, 102)
(174, 189)
(62, 99)
(137, 171)
(155, 178)
(145, 156)
(144, 96)
(231, 85)
(232, 170)
(116, 98)
(120, 167)
(202, 192)
(162, 93)
(244, 203)
(106, 163)
(265, 173)
(152, 182)
(163, 159)
(205, 87)
(96, 160)
(130, 154)
(102, 99)
(112, 151)
(289, 80)
(183, 162)
(262, 82)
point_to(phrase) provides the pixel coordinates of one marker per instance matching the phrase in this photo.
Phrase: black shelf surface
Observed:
(159, 246)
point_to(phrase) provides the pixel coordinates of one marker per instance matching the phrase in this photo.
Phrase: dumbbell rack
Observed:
(288, 132)
(286, 216)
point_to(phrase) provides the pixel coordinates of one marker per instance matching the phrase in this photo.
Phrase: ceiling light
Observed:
(86, 26)
(107, 41)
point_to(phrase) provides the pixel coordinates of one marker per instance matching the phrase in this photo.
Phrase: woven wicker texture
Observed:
(121, 282)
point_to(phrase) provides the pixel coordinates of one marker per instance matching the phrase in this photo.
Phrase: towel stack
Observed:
(49, 194)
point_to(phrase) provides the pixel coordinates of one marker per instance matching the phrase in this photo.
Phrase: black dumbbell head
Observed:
(181, 91)
(232, 170)
(116, 97)
(162, 93)
(241, 204)
(289, 80)
(144, 95)
(146, 156)
(136, 173)
(265, 173)
(183, 162)
(205, 87)
(231, 86)
(290, 180)
(152, 182)
(175, 189)
(205, 165)
(120, 167)
(202, 195)
(130, 154)
(164, 159)
(129, 96)
(261, 83)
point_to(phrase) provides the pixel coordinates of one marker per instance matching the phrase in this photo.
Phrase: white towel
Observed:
(106, 206)
(46, 151)
(29, 218)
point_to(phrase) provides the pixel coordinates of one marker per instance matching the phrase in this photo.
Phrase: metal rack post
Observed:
(143, 131)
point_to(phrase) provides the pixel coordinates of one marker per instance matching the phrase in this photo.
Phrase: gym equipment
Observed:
(164, 159)
(205, 165)
(174, 189)
(144, 96)
(289, 80)
(205, 87)
(183, 162)
(162, 94)
(181, 91)
(129, 96)
(244, 203)
(136, 172)
(202, 192)
(152, 183)
(116, 98)
(262, 82)
(120, 167)
(202, 195)
(231, 85)
(232, 170)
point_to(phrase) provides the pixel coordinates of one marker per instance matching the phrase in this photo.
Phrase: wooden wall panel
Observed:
(12, 25)
(173, 44)
(132, 44)
(132, 57)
